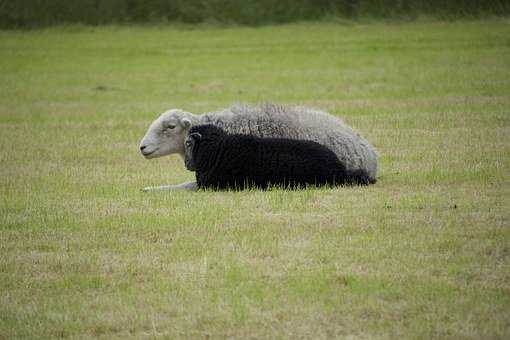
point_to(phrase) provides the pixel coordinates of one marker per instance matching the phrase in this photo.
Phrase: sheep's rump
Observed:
(236, 161)
(301, 123)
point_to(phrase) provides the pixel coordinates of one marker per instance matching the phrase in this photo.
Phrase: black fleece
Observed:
(236, 161)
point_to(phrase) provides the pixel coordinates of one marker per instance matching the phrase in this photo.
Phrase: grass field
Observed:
(424, 253)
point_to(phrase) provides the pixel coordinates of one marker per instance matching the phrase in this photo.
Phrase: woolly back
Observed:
(297, 122)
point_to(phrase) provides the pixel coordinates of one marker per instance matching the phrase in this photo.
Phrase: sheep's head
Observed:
(207, 134)
(166, 134)
(190, 150)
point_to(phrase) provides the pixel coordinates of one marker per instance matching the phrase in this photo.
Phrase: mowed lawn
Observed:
(424, 253)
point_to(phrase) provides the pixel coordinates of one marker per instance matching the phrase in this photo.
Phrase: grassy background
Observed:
(423, 253)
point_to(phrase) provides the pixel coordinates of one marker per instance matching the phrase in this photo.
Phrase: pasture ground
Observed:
(424, 253)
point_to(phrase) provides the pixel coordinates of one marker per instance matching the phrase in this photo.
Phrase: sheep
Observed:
(166, 134)
(237, 161)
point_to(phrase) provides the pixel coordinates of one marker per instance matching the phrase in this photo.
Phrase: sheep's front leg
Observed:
(191, 186)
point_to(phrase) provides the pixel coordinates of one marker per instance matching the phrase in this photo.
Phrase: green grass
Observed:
(424, 253)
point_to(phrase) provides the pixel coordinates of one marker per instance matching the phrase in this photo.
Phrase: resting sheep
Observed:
(236, 161)
(166, 134)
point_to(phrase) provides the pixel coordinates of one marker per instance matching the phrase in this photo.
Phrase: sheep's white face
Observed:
(166, 134)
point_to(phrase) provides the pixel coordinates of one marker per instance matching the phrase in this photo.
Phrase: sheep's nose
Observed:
(143, 147)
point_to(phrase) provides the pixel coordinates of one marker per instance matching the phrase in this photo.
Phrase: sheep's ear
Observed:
(195, 135)
(186, 123)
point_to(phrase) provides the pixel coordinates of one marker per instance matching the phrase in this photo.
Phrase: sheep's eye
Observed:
(170, 126)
